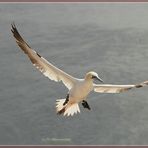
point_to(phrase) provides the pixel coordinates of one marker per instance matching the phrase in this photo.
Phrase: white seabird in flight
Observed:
(78, 88)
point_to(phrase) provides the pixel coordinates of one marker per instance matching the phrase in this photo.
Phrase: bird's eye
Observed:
(93, 77)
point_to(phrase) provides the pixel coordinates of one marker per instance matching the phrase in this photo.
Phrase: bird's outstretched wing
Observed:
(108, 88)
(42, 64)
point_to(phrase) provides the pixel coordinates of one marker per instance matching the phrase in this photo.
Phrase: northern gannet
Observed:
(78, 88)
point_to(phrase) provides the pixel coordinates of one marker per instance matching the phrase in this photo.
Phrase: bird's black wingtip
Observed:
(16, 34)
(15, 31)
(13, 27)
(13, 24)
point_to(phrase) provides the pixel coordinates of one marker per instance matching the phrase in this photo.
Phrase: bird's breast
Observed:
(81, 90)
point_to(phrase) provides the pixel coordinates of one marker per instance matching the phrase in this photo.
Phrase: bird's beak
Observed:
(99, 79)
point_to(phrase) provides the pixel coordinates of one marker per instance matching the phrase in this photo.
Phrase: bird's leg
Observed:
(85, 105)
(67, 99)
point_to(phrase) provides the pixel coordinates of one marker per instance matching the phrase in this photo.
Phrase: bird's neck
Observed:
(88, 83)
(88, 80)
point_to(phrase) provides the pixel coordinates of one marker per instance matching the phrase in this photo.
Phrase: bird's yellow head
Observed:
(93, 75)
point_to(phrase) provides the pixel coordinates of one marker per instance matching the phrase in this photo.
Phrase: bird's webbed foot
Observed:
(85, 105)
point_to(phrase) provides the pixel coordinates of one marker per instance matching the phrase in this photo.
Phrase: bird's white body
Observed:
(78, 88)
(78, 93)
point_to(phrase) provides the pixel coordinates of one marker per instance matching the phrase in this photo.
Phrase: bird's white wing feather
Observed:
(42, 64)
(108, 88)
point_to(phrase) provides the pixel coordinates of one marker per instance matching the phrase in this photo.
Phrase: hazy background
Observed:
(109, 38)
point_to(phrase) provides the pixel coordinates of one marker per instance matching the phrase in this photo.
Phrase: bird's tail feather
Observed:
(68, 109)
